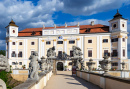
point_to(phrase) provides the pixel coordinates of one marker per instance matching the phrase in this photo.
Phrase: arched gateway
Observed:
(60, 66)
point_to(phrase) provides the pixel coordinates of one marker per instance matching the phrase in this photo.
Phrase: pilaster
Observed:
(126, 46)
(65, 45)
(119, 51)
(9, 51)
(43, 48)
(54, 43)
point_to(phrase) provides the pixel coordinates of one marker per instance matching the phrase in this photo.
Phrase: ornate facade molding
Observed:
(78, 38)
(65, 39)
(120, 36)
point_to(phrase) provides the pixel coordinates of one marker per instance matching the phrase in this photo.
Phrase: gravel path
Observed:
(64, 80)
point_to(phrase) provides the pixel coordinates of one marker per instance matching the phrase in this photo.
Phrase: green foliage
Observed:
(4, 76)
(7, 78)
(3, 52)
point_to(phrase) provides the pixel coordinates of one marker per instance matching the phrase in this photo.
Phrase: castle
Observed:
(95, 41)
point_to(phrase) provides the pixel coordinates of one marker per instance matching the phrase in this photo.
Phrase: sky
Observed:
(36, 13)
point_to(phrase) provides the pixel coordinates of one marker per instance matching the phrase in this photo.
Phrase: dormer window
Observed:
(13, 31)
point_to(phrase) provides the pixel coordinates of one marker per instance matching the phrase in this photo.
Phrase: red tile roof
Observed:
(98, 28)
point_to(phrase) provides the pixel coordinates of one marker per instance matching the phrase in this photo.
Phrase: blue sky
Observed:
(35, 13)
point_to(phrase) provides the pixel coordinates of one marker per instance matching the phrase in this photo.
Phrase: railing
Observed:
(104, 81)
(33, 84)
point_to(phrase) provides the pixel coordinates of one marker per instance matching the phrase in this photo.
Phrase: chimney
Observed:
(78, 24)
(54, 25)
(43, 26)
(92, 23)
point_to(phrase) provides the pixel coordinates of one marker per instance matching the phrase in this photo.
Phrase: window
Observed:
(32, 43)
(20, 54)
(20, 63)
(59, 42)
(13, 54)
(7, 43)
(123, 52)
(114, 54)
(48, 42)
(123, 39)
(106, 53)
(89, 41)
(70, 63)
(13, 43)
(123, 25)
(32, 52)
(71, 53)
(105, 40)
(89, 53)
(13, 63)
(71, 41)
(13, 31)
(20, 43)
(115, 64)
(114, 26)
(114, 40)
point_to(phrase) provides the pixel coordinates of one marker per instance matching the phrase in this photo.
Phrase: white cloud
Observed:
(89, 7)
(88, 21)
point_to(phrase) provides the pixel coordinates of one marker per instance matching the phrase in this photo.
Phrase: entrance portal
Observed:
(60, 66)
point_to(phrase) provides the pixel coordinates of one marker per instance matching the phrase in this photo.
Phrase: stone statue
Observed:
(105, 64)
(4, 65)
(34, 66)
(51, 52)
(82, 64)
(76, 51)
(43, 65)
(90, 65)
(65, 56)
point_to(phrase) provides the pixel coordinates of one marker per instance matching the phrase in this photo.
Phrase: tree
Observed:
(3, 52)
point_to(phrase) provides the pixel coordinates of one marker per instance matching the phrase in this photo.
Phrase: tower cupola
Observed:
(11, 29)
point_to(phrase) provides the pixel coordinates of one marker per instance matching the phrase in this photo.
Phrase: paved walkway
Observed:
(64, 80)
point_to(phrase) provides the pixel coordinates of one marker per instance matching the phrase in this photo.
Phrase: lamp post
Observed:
(89, 64)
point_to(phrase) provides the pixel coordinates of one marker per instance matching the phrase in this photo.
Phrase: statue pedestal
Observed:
(54, 67)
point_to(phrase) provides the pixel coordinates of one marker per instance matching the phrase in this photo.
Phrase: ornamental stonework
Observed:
(120, 36)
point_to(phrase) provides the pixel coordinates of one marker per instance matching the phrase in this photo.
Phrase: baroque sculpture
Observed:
(76, 51)
(90, 64)
(34, 66)
(105, 64)
(77, 56)
(51, 52)
(43, 65)
(4, 65)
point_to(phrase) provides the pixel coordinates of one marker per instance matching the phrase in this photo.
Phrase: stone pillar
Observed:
(126, 46)
(54, 67)
(120, 53)
(65, 45)
(17, 49)
(9, 48)
(39, 42)
(54, 43)
(43, 48)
